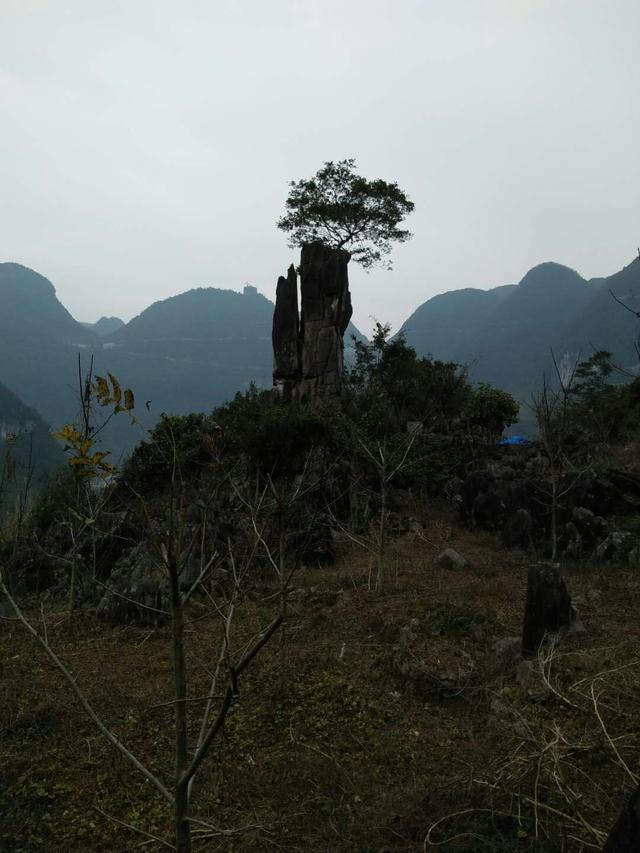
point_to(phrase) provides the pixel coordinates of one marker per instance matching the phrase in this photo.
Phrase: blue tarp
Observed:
(515, 439)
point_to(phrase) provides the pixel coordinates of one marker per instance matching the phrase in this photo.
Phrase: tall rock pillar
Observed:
(285, 334)
(326, 311)
(313, 368)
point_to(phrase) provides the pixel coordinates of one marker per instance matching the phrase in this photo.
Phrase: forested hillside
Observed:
(507, 335)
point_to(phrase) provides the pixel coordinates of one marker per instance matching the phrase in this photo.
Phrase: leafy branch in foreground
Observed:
(87, 462)
(80, 440)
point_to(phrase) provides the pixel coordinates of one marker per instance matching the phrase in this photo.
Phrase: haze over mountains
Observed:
(507, 334)
(194, 351)
(105, 326)
(26, 446)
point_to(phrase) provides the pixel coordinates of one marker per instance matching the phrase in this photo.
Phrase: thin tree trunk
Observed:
(182, 825)
(382, 531)
(554, 520)
(74, 555)
(283, 590)
(74, 576)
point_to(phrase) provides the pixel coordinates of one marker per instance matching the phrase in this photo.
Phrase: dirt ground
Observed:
(377, 721)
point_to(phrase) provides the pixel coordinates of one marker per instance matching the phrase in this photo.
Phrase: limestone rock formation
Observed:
(309, 363)
(285, 333)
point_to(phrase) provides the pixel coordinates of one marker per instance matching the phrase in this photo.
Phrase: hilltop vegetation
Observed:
(507, 334)
(192, 352)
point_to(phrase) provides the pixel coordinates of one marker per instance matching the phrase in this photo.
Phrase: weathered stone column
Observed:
(326, 311)
(308, 349)
(285, 335)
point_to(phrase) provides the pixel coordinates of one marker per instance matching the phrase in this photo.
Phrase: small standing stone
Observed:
(548, 608)
(625, 835)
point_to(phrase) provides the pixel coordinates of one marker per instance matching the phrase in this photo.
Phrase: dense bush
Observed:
(180, 445)
(490, 410)
(389, 391)
(599, 408)
(275, 437)
(390, 386)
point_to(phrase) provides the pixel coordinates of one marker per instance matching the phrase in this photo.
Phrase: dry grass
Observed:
(390, 723)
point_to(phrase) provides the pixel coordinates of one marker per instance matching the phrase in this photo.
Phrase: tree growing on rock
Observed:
(343, 210)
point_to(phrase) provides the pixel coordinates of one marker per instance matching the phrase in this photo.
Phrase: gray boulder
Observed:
(450, 559)
(137, 590)
(616, 546)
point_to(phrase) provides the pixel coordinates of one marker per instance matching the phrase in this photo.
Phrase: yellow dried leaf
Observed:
(117, 391)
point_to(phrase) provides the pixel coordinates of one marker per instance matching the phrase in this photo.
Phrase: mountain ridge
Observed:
(194, 350)
(508, 336)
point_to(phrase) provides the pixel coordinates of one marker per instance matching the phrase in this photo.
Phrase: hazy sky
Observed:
(146, 145)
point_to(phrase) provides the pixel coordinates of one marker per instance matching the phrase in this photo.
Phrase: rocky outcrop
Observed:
(326, 311)
(308, 348)
(286, 331)
(512, 499)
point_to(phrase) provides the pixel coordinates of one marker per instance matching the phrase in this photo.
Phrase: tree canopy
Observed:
(343, 210)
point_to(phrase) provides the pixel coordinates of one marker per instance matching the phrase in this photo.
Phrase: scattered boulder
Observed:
(507, 650)
(453, 487)
(511, 497)
(137, 591)
(571, 540)
(518, 530)
(616, 546)
(582, 516)
(487, 510)
(503, 472)
(451, 559)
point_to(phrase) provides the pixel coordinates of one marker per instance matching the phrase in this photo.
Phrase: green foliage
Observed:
(275, 437)
(79, 441)
(255, 427)
(598, 407)
(393, 386)
(491, 409)
(346, 211)
(58, 494)
(187, 444)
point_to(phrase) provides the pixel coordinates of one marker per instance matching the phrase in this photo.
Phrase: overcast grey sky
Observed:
(146, 145)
